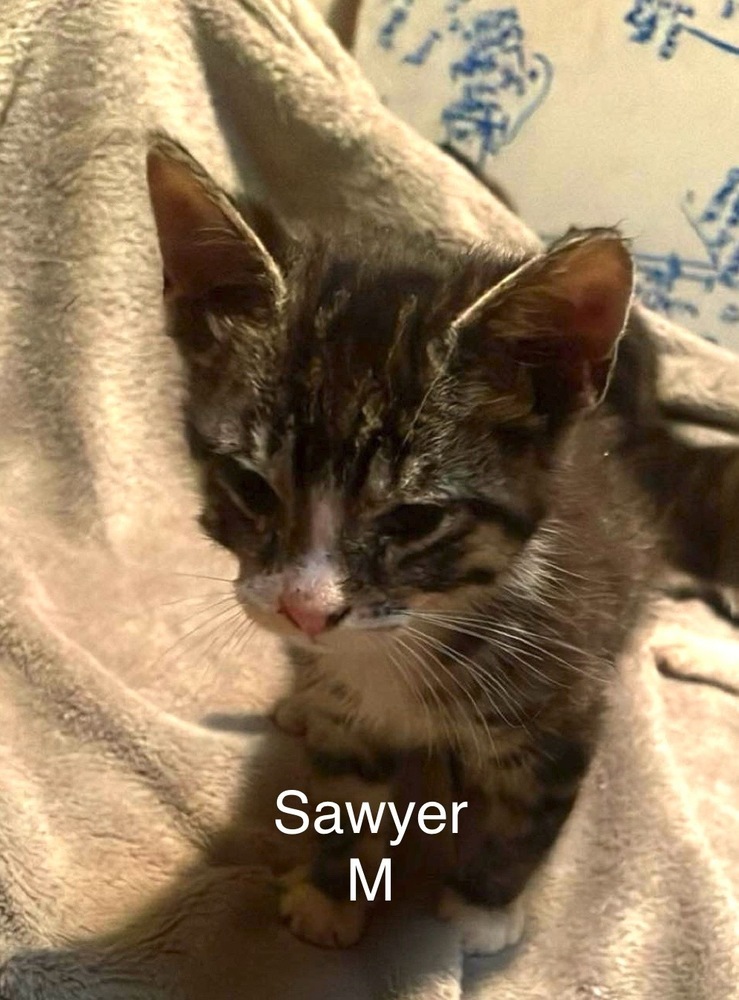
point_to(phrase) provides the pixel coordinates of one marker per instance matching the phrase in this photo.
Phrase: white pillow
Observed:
(607, 112)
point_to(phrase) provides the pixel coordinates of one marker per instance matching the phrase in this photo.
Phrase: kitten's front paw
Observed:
(313, 916)
(484, 931)
(289, 715)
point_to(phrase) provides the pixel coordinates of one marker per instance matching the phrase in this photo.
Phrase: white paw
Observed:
(290, 716)
(484, 931)
(313, 916)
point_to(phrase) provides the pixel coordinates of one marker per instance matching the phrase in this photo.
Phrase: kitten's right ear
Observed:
(204, 241)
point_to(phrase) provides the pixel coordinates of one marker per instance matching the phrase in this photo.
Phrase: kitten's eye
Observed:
(411, 521)
(247, 487)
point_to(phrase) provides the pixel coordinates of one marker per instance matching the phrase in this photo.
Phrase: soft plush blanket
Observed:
(138, 773)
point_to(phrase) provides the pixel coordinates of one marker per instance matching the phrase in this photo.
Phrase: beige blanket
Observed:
(138, 775)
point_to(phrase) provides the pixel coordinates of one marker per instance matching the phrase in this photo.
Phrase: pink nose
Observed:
(306, 616)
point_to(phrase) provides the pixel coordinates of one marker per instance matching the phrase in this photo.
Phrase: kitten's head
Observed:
(375, 420)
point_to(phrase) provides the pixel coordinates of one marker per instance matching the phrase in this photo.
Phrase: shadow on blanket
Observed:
(214, 933)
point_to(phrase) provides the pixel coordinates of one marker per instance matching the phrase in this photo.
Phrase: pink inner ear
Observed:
(597, 322)
(200, 248)
(560, 315)
(597, 287)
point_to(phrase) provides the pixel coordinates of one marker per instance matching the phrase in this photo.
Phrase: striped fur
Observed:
(409, 435)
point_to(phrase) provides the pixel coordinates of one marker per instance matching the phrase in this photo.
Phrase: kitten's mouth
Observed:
(317, 631)
(285, 627)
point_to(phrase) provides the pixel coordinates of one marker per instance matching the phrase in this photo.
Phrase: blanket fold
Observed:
(138, 772)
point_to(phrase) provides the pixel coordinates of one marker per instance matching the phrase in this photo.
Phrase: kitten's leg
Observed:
(292, 712)
(315, 901)
(528, 796)
(290, 715)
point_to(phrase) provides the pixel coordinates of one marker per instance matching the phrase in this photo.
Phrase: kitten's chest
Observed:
(385, 699)
(396, 702)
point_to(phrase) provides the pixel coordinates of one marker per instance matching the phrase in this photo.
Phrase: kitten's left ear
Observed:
(560, 315)
(204, 241)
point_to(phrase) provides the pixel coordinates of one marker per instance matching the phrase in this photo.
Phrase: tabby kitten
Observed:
(402, 446)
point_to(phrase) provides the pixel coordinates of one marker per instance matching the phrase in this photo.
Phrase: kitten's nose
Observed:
(308, 617)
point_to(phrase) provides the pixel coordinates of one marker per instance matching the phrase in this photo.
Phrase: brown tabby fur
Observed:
(379, 376)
